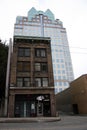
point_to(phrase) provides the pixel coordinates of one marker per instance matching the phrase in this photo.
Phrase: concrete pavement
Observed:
(67, 123)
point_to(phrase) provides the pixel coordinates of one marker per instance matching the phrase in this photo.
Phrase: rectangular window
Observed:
(43, 52)
(41, 67)
(26, 66)
(20, 66)
(39, 52)
(37, 67)
(20, 52)
(26, 82)
(23, 82)
(41, 82)
(60, 89)
(19, 82)
(44, 82)
(23, 66)
(38, 82)
(26, 52)
(23, 52)
(44, 67)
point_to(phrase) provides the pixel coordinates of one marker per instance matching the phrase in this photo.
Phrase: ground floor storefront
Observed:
(31, 104)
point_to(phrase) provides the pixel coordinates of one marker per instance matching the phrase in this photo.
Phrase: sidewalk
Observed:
(27, 120)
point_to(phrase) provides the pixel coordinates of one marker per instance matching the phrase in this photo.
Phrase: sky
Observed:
(73, 14)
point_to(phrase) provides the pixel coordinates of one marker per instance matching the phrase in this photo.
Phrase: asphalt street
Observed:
(66, 123)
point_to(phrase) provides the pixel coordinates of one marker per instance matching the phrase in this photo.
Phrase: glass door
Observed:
(39, 108)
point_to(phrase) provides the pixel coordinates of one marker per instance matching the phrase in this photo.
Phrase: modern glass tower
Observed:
(44, 24)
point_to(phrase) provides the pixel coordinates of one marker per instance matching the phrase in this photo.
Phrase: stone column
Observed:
(53, 105)
(11, 106)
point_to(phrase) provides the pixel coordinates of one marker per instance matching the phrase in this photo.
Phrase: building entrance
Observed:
(40, 109)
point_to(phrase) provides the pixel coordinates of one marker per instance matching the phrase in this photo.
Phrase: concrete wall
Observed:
(63, 101)
(74, 99)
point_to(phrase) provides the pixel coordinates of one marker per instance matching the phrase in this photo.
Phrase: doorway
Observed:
(75, 109)
(39, 108)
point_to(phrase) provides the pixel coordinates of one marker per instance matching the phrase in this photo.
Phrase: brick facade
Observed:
(26, 81)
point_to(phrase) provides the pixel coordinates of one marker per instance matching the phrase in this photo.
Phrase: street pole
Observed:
(7, 78)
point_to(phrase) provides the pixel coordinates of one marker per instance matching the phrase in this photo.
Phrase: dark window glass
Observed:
(20, 66)
(38, 82)
(44, 67)
(20, 51)
(26, 66)
(23, 66)
(27, 52)
(40, 52)
(41, 82)
(23, 52)
(41, 67)
(45, 82)
(19, 82)
(37, 67)
(26, 82)
(43, 53)
(23, 82)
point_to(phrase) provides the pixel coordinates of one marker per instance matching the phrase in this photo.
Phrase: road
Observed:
(66, 123)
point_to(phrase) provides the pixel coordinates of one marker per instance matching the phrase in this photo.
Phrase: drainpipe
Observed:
(7, 79)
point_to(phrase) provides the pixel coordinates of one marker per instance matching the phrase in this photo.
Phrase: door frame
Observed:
(38, 113)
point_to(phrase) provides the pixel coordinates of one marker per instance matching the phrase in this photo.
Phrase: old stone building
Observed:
(31, 90)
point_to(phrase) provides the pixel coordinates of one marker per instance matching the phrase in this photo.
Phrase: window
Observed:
(41, 67)
(26, 66)
(26, 82)
(40, 52)
(41, 82)
(63, 71)
(43, 53)
(58, 65)
(19, 82)
(23, 66)
(60, 89)
(56, 90)
(37, 67)
(23, 52)
(57, 60)
(55, 83)
(23, 82)
(59, 77)
(38, 82)
(62, 60)
(62, 65)
(44, 82)
(60, 83)
(44, 67)
(59, 71)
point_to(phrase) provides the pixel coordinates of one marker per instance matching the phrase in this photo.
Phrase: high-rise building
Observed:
(44, 24)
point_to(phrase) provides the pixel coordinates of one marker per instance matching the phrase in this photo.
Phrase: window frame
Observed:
(41, 67)
(39, 52)
(23, 51)
(23, 81)
(41, 83)
(23, 65)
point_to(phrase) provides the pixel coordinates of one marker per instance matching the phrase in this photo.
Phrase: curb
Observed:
(28, 120)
